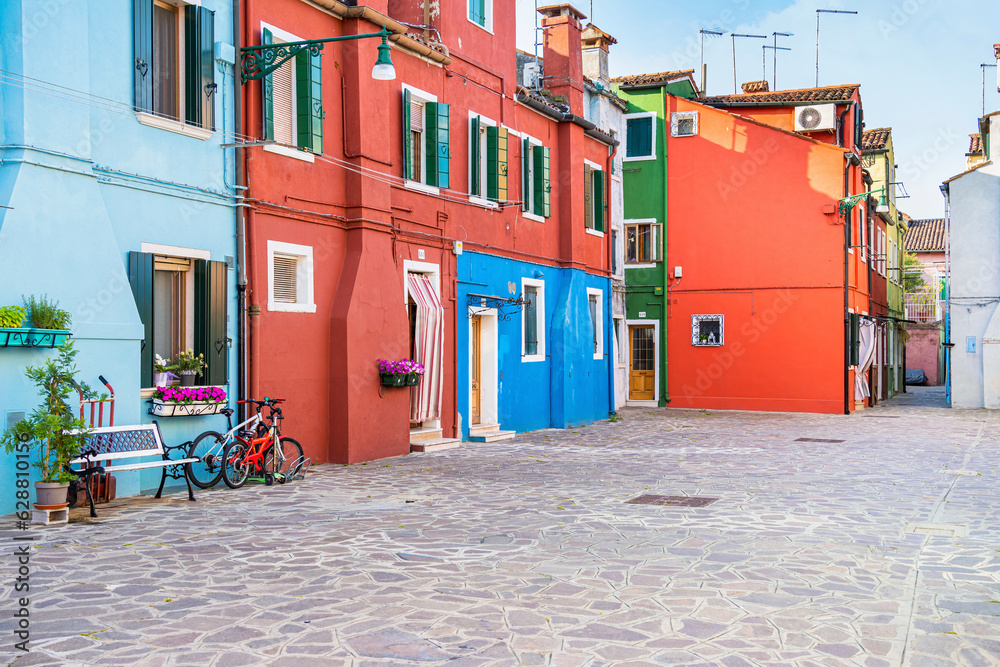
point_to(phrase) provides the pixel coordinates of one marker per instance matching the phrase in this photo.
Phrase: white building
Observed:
(974, 202)
(607, 111)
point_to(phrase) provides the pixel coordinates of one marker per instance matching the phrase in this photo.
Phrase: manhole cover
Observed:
(936, 529)
(818, 440)
(672, 501)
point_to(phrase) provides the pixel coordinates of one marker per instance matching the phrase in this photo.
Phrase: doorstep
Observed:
(489, 433)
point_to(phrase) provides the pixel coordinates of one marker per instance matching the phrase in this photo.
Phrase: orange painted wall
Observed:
(746, 224)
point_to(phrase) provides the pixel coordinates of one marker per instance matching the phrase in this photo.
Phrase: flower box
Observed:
(170, 409)
(393, 380)
(25, 337)
(412, 379)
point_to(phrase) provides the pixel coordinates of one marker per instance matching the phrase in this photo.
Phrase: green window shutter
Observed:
(543, 196)
(309, 102)
(199, 79)
(142, 47)
(496, 163)
(588, 197)
(268, 87)
(210, 336)
(437, 142)
(855, 339)
(639, 139)
(140, 277)
(656, 242)
(407, 148)
(525, 173)
(598, 196)
(477, 11)
(475, 164)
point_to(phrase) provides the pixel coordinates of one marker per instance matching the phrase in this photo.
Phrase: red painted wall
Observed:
(923, 350)
(351, 206)
(746, 224)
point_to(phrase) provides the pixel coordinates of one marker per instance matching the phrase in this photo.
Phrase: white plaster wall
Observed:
(975, 287)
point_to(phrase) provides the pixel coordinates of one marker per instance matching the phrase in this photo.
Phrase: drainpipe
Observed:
(665, 336)
(241, 275)
(852, 159)
(609, 339)
(946, 191)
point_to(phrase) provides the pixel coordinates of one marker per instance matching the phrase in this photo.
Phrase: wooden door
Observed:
(642, 368)
(475, 373)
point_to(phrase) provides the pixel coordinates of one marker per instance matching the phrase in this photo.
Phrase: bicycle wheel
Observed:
(289, 459)
(207, 472)
(236, 469)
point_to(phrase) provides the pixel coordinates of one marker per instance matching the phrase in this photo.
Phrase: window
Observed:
(535, 174)
(181, 297)
(595, 303)
(426, 139)
(481, 13)
(640, 136)
(290, 277)
(174, 69)
(615, 261)
(684, 123)
(594, 195)
(619, 341)
(293, 98)
(863, 229)
(488, 160)
(707, 330)
(642, 242)
(533, 316)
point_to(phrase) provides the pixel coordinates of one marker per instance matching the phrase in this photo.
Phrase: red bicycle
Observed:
(266, 454)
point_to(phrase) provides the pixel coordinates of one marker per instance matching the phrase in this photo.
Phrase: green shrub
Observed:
(45, 314)
(12, 317)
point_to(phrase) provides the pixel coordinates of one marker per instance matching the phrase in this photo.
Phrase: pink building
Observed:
(925, 240)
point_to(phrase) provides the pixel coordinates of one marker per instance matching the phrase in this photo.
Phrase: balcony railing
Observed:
(922, 307)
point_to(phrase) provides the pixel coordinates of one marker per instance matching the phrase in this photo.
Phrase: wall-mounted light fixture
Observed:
(848, 203)
(256, 62)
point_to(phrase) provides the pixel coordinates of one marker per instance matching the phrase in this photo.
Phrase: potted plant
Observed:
(52, 430)
(402, 373)
(162, 371)
(189, 366)
(49, 321)
(11, 319)
(187, 401)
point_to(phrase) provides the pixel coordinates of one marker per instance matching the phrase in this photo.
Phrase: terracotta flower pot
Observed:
(51, 493)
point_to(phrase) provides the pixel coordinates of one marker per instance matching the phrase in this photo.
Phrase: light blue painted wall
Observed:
(87, 183)
(569, 388)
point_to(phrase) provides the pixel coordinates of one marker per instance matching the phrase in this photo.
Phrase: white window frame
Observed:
(529, 194)
(697, 319)
(652, 156)
(599, 324)
(656, 359)
(637, 265)
(593, 211)
(622, 332)
(488, 10)
(484, 122)
(677, 116)
(417, 95)
(305, 297)
(540, 326)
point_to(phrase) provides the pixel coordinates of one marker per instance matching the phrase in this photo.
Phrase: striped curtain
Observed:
(425, 401)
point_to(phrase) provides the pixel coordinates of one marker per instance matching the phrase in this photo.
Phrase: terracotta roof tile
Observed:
(779, 97)
(975, 144)
(756, 87)
(876, 139)
(925, 235)
(651, 79)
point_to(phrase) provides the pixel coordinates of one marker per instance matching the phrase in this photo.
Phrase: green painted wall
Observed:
(644, 183)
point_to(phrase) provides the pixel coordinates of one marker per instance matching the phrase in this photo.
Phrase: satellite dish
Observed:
(810, 118)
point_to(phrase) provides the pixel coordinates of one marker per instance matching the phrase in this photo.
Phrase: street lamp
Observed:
(847, 204)
(256, 62)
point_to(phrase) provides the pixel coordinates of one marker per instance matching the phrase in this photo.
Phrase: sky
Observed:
(918, 63)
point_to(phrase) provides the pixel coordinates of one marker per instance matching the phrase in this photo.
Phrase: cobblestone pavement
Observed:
(526, 553)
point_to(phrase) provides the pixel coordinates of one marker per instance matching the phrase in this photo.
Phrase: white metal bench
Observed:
(109, 443)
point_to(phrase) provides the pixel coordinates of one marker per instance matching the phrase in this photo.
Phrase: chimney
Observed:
(996, 51)
(562, 53)
(595, 54)
(755, 87)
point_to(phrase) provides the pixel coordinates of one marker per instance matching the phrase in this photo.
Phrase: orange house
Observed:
(766, 288)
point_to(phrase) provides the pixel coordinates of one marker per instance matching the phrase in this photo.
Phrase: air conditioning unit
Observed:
(530, 76)
(815, 118)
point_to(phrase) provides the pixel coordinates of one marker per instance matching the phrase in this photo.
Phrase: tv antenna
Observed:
(710, 33)
(735, 35)
(776, 48)
(983, 67)
(825, 11)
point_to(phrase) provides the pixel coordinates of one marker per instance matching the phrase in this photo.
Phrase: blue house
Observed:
(118, 195)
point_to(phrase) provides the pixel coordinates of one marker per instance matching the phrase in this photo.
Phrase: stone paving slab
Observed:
(525, 552)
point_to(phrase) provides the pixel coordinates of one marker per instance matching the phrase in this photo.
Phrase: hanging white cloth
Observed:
(866, 355)
(426, 401)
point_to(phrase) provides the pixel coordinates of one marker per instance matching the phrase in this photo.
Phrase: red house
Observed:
(447, 215)
(762, 256)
